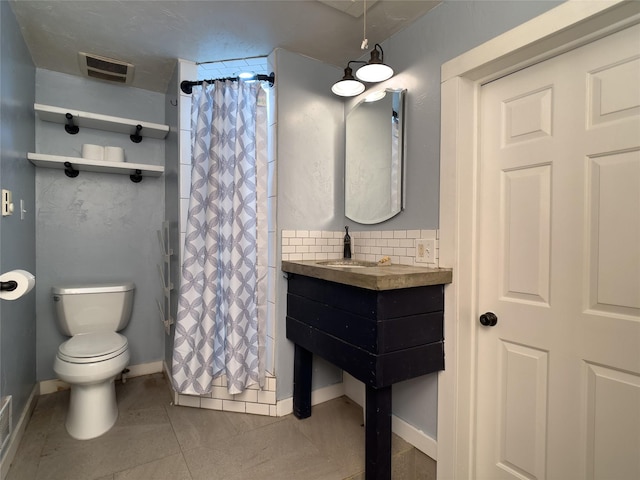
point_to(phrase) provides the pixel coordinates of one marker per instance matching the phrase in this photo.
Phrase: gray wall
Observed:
(310, 156)
(17, 237)
(310, 151)
(310, 144)
(98, 227)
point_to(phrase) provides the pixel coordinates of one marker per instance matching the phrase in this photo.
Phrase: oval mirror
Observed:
(374, 158)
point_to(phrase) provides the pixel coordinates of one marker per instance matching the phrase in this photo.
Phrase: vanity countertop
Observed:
(385, 277)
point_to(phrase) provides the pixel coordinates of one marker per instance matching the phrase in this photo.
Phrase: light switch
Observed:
(7, 203)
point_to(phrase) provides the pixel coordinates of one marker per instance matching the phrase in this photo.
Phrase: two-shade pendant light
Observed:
(373, 71)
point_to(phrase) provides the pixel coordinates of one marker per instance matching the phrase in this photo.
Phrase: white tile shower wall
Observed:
(188, 71)
(253, 400)
(272, 263)
(372, 246)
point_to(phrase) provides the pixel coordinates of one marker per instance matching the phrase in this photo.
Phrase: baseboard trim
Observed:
(145, 369)
(167, 373)
(52, 386)
(55, 385)
(18, 432)
(319, 395)
(354, 389)
(417, 438)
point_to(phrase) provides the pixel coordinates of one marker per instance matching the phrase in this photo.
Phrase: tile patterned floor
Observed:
(154, 440)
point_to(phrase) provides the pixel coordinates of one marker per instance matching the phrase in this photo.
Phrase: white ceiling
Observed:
(152, 34)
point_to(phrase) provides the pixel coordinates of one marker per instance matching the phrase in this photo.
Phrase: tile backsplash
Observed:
(398, 245)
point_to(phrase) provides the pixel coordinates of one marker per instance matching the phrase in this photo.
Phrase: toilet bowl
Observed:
(89, 363)
(95, 354)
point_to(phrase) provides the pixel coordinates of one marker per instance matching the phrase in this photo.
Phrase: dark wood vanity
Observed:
(382, 325)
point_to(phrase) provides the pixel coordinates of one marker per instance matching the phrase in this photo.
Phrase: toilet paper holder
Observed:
(9, 286)
(16, 284)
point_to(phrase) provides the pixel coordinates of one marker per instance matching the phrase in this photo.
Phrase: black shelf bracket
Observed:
(136, 177)
(69, 171)
(70, 127)
(136, 137)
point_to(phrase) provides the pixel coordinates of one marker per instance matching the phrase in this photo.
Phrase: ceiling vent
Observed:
(104, 68)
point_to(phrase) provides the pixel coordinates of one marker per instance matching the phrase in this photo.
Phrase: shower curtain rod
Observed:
(187, 86)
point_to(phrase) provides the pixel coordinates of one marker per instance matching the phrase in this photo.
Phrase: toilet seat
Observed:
(92, 347)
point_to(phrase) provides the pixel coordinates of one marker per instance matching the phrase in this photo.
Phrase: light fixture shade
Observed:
(348, 86)
(375, 70)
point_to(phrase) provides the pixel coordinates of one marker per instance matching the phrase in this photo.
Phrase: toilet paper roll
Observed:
(113, 154)
(93, 152)
(25, 282)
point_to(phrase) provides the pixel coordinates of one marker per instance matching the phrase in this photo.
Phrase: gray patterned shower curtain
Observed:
(220, 326)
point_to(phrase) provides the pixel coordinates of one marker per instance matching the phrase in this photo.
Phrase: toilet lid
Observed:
(92, 347)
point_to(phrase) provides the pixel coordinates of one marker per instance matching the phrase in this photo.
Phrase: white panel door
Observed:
(558, 385)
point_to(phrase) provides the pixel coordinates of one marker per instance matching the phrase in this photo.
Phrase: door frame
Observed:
(566, 27)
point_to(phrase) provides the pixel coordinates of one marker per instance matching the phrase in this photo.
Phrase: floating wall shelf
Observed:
(82, 164)
(77, 118)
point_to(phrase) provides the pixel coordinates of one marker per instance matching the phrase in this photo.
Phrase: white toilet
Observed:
(94, 355)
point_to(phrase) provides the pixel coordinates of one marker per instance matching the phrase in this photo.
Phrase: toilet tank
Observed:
(93, 308)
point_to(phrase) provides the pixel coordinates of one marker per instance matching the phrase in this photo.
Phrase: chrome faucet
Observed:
(347, 243)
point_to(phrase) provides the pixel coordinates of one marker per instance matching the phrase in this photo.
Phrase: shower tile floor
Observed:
(154, 440)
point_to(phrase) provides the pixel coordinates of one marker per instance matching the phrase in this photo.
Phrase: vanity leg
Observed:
(302, 369)
(378, 434)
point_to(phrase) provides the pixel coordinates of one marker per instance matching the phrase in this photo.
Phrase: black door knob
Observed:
(488, 319)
